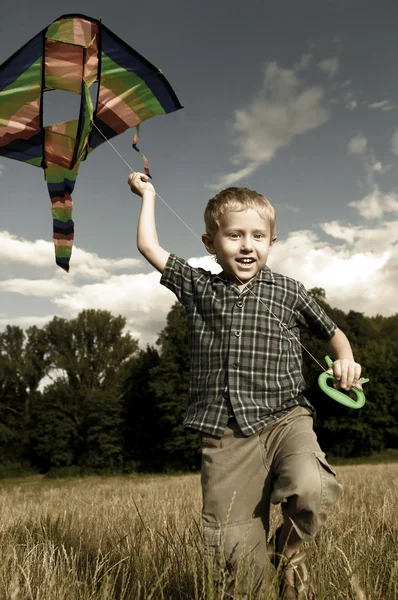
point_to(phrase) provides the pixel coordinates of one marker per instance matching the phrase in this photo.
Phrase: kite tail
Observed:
(60, 183)
(144, 158)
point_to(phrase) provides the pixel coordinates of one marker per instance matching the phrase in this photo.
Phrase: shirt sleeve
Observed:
(315, 317)
(178, 277)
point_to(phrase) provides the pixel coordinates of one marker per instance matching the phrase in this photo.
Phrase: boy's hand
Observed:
(347, 372)
(139, 184)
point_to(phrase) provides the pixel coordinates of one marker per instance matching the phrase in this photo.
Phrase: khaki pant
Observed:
(241, 476)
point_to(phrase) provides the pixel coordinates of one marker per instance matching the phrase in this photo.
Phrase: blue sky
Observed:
(297, 100)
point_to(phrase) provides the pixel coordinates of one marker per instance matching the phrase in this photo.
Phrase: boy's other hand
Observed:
(347, 373)
(139, 184)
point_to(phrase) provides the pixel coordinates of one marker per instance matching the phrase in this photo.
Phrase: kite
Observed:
(71, 54)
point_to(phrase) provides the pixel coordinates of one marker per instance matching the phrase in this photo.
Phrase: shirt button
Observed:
(239, 304)
(236, 365)
(237, 333)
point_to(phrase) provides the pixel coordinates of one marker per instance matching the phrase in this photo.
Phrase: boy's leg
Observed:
(236, 485)
(303, 481)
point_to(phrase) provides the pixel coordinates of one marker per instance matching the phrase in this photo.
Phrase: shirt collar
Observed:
(264, 276)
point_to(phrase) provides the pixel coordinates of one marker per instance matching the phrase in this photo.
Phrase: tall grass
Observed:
(139, 537)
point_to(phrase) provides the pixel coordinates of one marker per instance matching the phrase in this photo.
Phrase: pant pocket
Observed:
(332, 490)
(322, 459)
(214, 559)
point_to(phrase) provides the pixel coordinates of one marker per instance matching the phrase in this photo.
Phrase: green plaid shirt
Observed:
(242, 359)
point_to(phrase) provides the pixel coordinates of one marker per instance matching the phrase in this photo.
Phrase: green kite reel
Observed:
(337, 394)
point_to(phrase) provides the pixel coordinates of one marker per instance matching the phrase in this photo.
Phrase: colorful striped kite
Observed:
(71, 54)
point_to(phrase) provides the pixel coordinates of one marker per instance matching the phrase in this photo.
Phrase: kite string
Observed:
(132, 170)
(197, 237)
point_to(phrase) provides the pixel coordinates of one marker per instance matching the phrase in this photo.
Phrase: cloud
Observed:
(384, 105)
(354, 276)
(283, 109)
(358, 270)
(2, 168)
(330, 66)
(394, 143)
(36, 287)
(350, 101)
(25, 321)
(351, 105)
(357, 144)
(304, 62)
(40, 253)
(376, 204)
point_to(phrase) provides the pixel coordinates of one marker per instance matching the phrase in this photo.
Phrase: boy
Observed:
(258, 444)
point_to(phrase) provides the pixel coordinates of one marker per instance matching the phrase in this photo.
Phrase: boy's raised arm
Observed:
(147, 237)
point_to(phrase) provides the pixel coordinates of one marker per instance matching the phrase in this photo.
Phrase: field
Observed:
(139, 537)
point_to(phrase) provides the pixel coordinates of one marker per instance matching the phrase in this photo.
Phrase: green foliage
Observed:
(170, 384)
(142, 443)
(112, 407)
(22, 366)
(79, 418)
(346, 432)
(55, 433)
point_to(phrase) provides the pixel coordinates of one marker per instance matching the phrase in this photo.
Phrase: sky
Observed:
(297, 100)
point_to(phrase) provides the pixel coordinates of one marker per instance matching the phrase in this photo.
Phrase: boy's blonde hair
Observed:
(238, 199)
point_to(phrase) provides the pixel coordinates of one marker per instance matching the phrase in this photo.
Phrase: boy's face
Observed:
(241, 244)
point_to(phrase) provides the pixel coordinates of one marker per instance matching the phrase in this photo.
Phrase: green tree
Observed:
(22, 366)
(90, 357)
(54, 432)
(170, 384)
(349, 432)
(142, 440)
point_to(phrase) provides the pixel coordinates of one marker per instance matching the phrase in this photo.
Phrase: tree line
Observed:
(113, 407)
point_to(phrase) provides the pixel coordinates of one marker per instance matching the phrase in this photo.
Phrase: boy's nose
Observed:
(247, 245)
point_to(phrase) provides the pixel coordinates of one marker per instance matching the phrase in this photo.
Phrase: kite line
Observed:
(339, 396)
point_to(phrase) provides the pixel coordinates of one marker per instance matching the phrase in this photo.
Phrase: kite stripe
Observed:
(71, 54)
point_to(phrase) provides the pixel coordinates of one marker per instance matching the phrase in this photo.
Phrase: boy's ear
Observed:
(206, 239)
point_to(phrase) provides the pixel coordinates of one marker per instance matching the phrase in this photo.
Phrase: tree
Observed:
(170, 384)
(22, 366)
(142, 439)
(92, 356)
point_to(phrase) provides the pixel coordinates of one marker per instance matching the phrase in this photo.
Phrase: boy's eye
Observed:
(234, 236)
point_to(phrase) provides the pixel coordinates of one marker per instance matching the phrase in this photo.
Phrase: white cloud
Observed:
(394, 143)
(40, 253)
(349, 100)
(384, 105)
(36, 287)
(376, 204)
(358, 273)
(353, 276)
(357, 144)
(351, 105)
(283, 109)
(365, 239)
(25, 321)
(330, 66)
(232, 178)
(2, 168)
(304, 62)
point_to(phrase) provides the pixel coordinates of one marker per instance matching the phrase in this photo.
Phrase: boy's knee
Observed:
(311, 494)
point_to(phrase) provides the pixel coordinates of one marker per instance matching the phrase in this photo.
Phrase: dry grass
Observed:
(128, 538)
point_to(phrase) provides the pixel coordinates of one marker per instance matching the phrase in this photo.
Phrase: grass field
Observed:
(139, 537)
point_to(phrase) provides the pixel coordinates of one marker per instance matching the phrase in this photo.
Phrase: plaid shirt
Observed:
(241, 357)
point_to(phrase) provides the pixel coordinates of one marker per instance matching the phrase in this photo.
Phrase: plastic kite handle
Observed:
(337, 394)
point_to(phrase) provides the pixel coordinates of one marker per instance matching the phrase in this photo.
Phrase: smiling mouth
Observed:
(245, 261)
